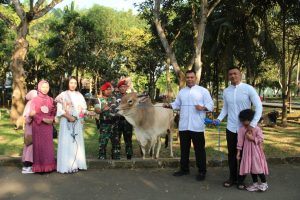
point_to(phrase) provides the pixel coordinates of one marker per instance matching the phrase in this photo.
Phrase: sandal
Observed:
(229, 183)
(241, 186)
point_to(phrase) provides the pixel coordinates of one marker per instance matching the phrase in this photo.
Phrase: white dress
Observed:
(71, 150)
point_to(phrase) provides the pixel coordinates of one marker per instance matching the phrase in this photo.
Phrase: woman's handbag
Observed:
(28, 140)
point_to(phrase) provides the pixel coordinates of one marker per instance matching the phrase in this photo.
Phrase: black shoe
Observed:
(181, 173)
(200, 177)
(102, 157)
(128, 157)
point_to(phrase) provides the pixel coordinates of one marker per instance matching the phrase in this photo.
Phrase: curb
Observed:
(139, 163)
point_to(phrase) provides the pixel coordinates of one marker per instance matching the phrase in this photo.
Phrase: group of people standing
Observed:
(70, 108)
(244, 136)
(111, 125)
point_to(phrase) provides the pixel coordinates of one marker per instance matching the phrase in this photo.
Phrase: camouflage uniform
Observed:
(106, 125)
(125, 128)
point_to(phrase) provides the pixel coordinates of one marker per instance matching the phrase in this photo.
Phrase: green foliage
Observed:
(6, 46)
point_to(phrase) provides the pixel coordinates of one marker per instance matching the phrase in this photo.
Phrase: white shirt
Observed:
(238, 98)
(190, 118)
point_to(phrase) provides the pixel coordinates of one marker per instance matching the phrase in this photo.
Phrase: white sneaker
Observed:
(253, 188)
(27, 170)
(263, 187)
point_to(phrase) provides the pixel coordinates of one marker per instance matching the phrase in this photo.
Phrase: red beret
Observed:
(105, 86)
(121, 82)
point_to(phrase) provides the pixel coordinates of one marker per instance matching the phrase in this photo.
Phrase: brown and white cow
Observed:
(150, 122)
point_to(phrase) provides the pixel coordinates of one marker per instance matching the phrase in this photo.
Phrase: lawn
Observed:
(279, 142)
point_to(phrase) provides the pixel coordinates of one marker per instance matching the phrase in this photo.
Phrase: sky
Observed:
(116, 4)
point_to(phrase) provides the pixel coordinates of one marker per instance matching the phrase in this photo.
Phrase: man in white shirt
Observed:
(193, 101)
(237, 97)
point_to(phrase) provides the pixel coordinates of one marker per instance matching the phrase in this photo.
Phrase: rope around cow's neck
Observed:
(161, 106)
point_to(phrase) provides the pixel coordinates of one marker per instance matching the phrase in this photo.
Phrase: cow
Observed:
(150, 122)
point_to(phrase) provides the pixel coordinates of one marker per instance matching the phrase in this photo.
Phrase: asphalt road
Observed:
(143, 184)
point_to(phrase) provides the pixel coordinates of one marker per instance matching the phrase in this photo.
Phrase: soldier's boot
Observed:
(102, 154)
(129, 152)
(115, 154)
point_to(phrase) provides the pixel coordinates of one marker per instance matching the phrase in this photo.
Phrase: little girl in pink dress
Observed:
(253, 160)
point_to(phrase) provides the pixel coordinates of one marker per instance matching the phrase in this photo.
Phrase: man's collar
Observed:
(190, 87)
(238, 85)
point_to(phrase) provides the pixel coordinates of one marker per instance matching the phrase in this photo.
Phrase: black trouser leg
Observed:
(254, 178)
(199, 147)
(115, 145)
(27, 164)
(232, 161)
(262, 178)
(241, 179)
(127, 134)
(185, 145)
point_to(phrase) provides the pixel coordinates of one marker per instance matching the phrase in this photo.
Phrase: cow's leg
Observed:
(158, 147)
(143, 151)
(152, 146)
(143, 144)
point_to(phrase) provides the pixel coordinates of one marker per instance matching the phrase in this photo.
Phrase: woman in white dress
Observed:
(71, 108)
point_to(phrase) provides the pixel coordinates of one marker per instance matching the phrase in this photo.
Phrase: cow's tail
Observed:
(167, 139)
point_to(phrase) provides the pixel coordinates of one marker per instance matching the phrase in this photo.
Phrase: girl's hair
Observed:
(246, 115)
(68, 81)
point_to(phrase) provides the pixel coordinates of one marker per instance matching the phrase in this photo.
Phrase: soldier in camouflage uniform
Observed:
(123, 127)
(106, 108)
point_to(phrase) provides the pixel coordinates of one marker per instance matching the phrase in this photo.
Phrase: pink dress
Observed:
(42, 134)
(27, 150)
(253, 158)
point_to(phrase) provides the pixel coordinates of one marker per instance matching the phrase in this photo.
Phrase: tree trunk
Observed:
(17, 63)
(200, 30)
(283, 71)
(297, 76)
(297, 79)
(168, 80)
(216, 85)
(151, 88)
(61, 84)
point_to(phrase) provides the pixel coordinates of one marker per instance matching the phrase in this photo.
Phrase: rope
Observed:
(73, 135)
(210, 121)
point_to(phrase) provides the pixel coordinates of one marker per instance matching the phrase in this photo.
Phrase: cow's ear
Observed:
(143, 99)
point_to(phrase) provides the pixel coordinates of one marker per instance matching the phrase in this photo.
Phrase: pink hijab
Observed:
(42, 100)
(40, 94)
(31, 94)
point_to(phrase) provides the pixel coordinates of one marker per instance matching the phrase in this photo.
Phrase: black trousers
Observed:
(231, 139)
(255, 178)
(125, 128)
(199, 146)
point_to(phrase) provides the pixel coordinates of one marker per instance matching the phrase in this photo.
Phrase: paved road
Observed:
(142, 184)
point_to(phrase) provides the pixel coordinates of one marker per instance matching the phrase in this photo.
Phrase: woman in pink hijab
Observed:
(43, 112)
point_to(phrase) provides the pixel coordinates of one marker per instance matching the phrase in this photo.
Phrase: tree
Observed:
(143, 54)
(192, 12)
(26, 16)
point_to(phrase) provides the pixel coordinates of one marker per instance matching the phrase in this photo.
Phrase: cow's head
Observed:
(131, 102)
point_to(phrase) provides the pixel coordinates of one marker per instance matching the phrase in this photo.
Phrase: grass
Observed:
(279, 142)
